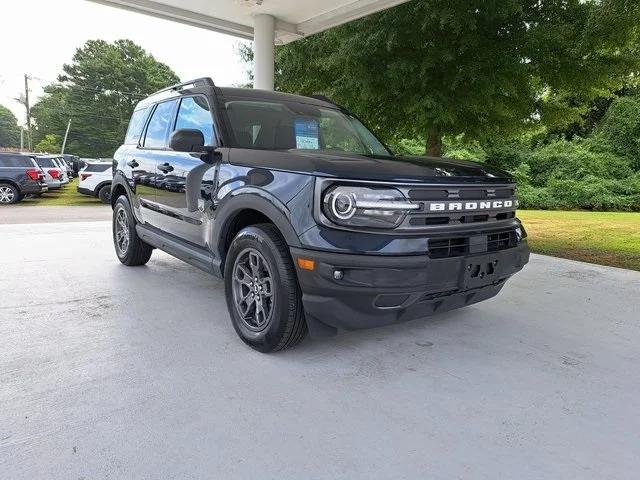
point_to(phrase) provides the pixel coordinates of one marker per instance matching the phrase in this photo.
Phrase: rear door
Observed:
(184, 181)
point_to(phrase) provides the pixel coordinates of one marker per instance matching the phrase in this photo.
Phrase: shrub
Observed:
(576, 160)
(620, 128)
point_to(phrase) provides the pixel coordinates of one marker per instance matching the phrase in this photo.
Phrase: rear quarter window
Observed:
(15, 161)
(97, 167)
(45, 163)
(136, 125)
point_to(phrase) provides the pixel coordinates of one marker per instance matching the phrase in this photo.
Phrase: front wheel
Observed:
(262, 292)
(130, 248)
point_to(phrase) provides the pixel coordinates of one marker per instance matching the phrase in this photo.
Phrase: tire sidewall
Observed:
(264, 340)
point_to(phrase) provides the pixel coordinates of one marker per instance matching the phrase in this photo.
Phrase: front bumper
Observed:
(378, 290)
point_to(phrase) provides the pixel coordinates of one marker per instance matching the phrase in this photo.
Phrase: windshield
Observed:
(273, 125)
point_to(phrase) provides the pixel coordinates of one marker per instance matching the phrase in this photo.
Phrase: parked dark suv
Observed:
(19, 176)
(313, 223)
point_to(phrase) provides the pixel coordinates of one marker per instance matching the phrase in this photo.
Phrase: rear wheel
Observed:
(104, 194)
(130, 249)
(8, 194)
(262, 292)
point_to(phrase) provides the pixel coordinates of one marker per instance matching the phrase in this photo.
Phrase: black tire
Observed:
(104, 194)
(286, 326)
(9, 194)
(136, 252)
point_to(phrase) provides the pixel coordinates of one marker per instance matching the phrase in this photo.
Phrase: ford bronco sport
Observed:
(310, 219)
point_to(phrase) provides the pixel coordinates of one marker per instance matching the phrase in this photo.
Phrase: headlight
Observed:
(366, 207)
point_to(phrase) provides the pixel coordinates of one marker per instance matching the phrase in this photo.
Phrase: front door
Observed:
(144, 160)
(181, 185)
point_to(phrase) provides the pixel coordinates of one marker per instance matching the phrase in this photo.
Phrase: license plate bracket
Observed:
(480, 270)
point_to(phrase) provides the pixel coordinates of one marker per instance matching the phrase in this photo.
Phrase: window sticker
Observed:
(306, 130)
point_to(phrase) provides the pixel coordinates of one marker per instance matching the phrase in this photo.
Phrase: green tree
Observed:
(98, 91)
(9, 129)
(50, 143)
(476, 68)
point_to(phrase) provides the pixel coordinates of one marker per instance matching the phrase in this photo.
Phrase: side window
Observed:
(158, 128)
(15, 161)
(136, 124)
(195, 113)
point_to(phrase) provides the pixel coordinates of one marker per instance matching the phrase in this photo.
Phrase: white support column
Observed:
(264, 37)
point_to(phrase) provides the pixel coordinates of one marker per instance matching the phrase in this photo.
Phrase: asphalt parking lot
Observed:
(115, 372)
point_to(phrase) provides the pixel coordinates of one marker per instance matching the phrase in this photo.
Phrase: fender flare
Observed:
(100, 185)
(251, 198)
(120, 180)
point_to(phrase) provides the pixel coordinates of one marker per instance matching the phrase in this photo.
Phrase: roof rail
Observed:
(324, 98)
(198, 82)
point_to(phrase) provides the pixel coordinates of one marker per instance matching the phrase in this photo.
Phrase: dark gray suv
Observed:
(310, 219)
(20, 175)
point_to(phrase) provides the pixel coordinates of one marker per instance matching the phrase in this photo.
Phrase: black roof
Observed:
(257, 94)
(249, 93)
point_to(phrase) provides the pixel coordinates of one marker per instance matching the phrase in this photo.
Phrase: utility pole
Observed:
(21, 139)
(26, 104)
(66, 134)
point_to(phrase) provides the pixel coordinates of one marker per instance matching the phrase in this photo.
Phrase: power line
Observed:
(95, 90)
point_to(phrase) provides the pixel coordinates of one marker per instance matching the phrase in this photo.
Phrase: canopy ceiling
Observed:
(294, 18)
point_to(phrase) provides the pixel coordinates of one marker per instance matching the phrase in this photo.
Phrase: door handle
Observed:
(133, 163)
(165, 168)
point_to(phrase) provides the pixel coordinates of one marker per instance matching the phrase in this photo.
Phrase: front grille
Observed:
(464, 245)
(501, 240)
(449, 247)
(459, 205)
(463, 193)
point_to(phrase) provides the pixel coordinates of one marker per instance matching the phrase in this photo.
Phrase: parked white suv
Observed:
(53, 175)
(95, 180)
(64, 173)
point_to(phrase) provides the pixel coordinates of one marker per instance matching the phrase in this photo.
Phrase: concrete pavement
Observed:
(23, 214)
(130, 373)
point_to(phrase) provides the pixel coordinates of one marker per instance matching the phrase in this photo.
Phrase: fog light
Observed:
(338, 275)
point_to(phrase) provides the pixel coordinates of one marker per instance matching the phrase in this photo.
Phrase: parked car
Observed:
(310, 219)
(53, 174)
(67, 165)
(20, 175)
(95, 180)
(72, 162)
(64, 175)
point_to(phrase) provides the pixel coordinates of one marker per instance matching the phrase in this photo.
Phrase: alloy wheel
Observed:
(122, 231)
(253, 289)
(6, 194)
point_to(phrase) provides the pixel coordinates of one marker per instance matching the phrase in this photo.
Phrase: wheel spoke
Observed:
(254, 264)
(266, 289)
(244, 277)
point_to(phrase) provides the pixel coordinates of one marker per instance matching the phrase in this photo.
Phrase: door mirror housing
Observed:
(187, 140)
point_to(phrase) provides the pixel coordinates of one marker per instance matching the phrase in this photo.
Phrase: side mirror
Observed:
(187, 140)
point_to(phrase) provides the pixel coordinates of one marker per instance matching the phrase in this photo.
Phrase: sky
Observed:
(38, 36)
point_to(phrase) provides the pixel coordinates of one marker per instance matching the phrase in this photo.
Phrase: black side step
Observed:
(193, 255)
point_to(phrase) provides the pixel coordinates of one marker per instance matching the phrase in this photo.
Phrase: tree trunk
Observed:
(434, 143)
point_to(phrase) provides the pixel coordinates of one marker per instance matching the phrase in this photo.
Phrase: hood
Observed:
(370, 167)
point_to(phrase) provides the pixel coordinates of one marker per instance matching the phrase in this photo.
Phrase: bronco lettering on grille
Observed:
(470, 206)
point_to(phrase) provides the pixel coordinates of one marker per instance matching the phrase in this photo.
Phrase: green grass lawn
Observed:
(67, 195)
(605, 238)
